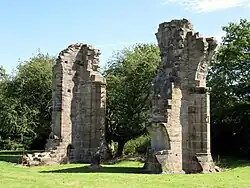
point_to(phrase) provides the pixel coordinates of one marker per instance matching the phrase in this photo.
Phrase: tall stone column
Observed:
(56, 101)
(180, 104)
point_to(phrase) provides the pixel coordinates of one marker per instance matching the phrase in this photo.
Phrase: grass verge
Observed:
(123, 174)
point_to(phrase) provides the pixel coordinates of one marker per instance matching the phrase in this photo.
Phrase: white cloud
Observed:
(208, 5)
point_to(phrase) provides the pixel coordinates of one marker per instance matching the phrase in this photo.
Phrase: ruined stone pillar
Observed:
(180, 102)
(79, 98)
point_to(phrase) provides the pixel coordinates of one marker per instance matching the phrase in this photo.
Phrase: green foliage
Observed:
(10, 145)
(135, 146)
(16, 119)
(25, 106)
(3, 74)
(229, 79)
(129, 75)
(138, 145)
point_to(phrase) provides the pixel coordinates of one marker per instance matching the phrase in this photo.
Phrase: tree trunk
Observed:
(120, 148)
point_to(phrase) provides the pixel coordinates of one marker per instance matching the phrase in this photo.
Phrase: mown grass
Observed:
(124, 174)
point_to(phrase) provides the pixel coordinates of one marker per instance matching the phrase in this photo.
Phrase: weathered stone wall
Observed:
(79, 97)
(180, 100)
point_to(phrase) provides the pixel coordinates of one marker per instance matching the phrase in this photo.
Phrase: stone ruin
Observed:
(78, 112)
(180, 112)
(180, 127)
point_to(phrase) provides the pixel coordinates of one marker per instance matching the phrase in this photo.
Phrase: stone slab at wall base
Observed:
(205, 162)
(162, 163)
(201, 163)
(55, 153)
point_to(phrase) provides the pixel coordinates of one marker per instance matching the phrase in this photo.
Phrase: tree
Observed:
(3, 78)
(26, 108)
(3, 74)
(129, 75)
(229, 79)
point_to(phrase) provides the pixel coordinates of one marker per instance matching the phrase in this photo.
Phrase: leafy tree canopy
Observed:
(129, 75)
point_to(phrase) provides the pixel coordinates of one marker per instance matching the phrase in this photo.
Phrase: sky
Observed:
(49, 26)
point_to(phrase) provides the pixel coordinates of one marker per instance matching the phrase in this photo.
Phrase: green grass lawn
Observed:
(124, 174)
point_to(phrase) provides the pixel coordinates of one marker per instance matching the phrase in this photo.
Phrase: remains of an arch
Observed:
(78, 103)
(180, 127)
(78, 117)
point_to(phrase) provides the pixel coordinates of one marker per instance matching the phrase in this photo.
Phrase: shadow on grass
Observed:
(14, 156)
(10, 158)
(86, 169)
(231, 162)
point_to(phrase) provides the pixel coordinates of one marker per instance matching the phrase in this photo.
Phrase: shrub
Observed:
(10, 145)
(137, 146)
